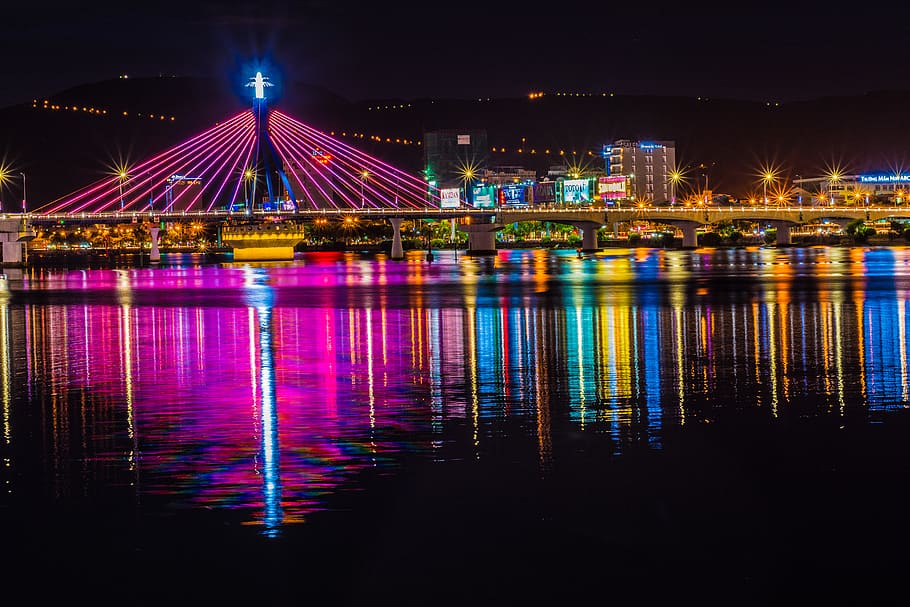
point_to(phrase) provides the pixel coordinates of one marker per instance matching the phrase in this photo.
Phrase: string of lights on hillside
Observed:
(47, 105)
(393, 140)
(493, 149)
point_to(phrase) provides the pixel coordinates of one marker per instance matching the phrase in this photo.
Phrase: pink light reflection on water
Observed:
(200, 387)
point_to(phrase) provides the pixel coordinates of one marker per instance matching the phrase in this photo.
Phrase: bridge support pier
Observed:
(783, 232)
(689, 230)
(264, 242)
(690, 235)
(155, 255)
(588, 235)
(14, 234)
(397, 249)
(481, 237)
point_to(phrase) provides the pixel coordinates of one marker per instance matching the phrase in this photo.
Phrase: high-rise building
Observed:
(454, 157)
(646, 165)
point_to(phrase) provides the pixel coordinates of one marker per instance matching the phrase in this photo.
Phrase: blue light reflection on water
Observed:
(352, 362)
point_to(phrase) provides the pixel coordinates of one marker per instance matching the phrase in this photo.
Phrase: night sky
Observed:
(466, 49)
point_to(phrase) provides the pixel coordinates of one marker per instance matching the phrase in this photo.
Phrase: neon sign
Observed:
(647, 145)
(898, 178)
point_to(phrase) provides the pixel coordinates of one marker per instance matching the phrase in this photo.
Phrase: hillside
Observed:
(62, 149)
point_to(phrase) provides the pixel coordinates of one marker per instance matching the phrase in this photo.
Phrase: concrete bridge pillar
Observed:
(783, 232)
(588, 234)
(689, 231)
(155, 255)
(690, 235)
(397, 249)
(481, 237)
(14, 234)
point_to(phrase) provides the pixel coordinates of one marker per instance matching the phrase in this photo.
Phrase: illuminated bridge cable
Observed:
(160, 179)
(398, 186)
(209, 169)
(346, 151)
(147, 175)
(308, 166)
(349, 174)
(70, 202)
(320, 164)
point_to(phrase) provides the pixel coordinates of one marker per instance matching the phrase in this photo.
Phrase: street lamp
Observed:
(834, 177)
(766, 179)
(675, 178)
(247, 175)
(23, 192)
(3, 176)
(123, 175)
(364, 175)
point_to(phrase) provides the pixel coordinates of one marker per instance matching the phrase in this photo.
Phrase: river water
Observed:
(724, 425)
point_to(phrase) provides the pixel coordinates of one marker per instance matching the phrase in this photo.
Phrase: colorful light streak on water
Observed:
(265, 389)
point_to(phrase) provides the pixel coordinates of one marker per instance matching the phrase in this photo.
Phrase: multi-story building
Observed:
(503, 175)
(892, 188)
(646, 165)
(455, 157)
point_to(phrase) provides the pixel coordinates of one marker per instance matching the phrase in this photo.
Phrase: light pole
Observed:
(675, 177)
(23, 193)
(766, 178)
(247, 175)
(364, 175)
(3, 176)
(122, 176)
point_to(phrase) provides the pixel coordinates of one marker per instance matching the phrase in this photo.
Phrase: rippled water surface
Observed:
(645, 425)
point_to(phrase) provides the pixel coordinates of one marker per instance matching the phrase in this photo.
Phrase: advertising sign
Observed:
(484, 196)
(576, 191)
(449, 198)
(513, 195)
(544, 192)
(611, 188)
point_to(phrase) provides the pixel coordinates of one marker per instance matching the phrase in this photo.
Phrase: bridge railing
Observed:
(431, 212)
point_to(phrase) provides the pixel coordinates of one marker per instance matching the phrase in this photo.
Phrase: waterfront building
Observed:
(506, 175)
(646, 166)
(860, 189)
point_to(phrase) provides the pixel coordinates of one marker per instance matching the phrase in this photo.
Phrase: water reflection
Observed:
(265, 388)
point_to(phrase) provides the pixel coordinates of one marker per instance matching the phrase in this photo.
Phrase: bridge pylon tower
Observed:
(266, 161)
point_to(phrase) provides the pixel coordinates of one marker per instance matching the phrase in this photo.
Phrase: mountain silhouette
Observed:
(81, 134)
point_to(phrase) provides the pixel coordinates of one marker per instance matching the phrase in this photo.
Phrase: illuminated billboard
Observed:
(884, 178)
(611, 188)
(513, 195)
(449, 198)
(544, 192)
(484, 196)
(576, 191)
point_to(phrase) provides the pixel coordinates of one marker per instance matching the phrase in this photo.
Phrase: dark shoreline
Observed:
(96, 258)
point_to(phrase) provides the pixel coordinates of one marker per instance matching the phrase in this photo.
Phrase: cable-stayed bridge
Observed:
(263, 163)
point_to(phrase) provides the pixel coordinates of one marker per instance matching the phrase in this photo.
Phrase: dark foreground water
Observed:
(642, 427)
